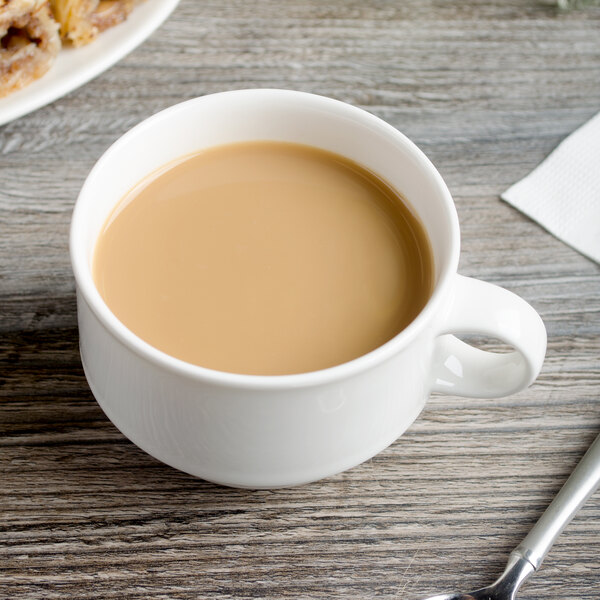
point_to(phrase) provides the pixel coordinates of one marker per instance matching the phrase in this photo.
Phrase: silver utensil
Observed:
(527, 557)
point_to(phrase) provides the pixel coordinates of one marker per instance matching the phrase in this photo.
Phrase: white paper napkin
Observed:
(563, 193)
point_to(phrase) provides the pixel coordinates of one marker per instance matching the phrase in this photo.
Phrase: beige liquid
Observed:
(264, 258)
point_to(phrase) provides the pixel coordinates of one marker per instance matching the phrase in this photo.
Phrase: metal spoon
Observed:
(527, 557)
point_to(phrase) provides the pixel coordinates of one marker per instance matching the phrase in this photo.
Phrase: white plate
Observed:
(75, 66)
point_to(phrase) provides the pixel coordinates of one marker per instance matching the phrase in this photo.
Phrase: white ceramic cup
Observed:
(271, 431)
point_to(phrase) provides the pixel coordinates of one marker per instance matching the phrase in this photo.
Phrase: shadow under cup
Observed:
(246, 430)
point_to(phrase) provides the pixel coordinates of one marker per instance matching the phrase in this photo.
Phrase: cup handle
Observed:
(485, 309)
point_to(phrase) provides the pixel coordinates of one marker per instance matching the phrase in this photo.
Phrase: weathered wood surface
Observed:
(487, 89)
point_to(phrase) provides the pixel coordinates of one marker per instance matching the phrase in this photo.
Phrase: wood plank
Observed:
(487, 90)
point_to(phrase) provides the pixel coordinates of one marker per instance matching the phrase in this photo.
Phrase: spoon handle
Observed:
(582, 483)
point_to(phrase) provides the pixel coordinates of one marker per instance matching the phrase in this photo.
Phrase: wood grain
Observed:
(487, 90)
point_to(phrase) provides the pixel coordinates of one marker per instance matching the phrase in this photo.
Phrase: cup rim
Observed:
(90, 294)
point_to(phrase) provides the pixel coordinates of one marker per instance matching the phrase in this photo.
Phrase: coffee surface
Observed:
(264, 258)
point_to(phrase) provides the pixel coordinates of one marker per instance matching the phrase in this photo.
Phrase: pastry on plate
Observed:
(29, 42)
(82, 20)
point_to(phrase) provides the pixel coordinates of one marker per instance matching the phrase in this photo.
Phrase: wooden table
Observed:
(487, 90)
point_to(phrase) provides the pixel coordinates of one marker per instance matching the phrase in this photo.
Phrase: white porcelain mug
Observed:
(271, 431)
